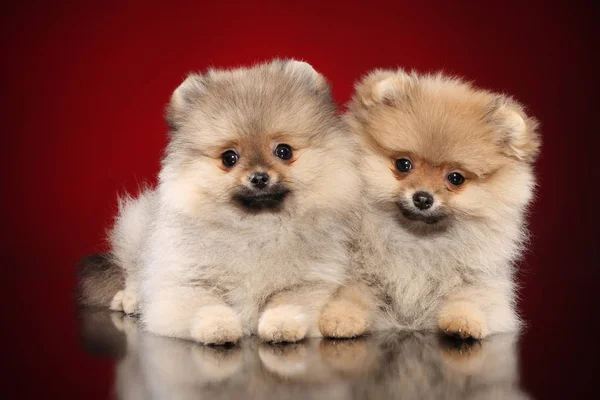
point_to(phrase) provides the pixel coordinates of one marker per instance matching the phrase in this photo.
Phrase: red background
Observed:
(83, 92)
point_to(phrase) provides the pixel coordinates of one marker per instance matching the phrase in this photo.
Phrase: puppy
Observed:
(448, 177)
(247, 230)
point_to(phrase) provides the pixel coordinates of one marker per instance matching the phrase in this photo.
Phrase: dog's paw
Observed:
(216, 325)
(341, 319)
(130, 303)
(116, 304)
(463, 320)
(286, 323)
(124, 301)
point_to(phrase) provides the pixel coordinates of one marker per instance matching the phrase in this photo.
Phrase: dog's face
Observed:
(262, 181)
(439, 151)
(258, 140)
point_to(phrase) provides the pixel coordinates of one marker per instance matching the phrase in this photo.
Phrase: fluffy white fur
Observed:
(456, 275)
(202, 267)
(126, 238)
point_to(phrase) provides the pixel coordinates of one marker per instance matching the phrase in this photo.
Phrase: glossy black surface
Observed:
(382, 366)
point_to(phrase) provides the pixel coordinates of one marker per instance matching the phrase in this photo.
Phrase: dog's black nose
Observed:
(422, 200)
(259, 179)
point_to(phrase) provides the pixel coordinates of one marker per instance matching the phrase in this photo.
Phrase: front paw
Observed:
(125, 301)
(341, 319)
(216, 325)
(463, 320)
(284, 323)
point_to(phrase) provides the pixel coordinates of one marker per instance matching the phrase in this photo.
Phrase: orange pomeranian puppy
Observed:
(448, 177)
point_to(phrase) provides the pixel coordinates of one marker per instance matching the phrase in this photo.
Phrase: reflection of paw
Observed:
(216, 363)
(124, 301)
(463, 320)
(124, 323)
(127, 325)
(341, 319)
(216, 325)
(286, 360)
(347, 356)
(117, 320)
(462, 355)
(284, 323)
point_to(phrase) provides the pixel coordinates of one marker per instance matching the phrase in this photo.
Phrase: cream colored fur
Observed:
(126, 238)
(201, 267)
(456, 275)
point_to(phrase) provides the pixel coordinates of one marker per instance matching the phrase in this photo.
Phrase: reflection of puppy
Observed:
(181, 369)
(379, 366)
(422, 366)
(448, 175)
(246, 232)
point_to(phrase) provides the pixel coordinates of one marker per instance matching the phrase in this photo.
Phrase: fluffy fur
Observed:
(209, 257)
(449, 267)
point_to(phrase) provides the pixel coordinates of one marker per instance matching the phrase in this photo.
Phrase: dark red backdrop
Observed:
(83, 91)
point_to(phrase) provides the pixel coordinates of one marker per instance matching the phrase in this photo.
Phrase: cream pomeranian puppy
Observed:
(448, 177)
(247, 230)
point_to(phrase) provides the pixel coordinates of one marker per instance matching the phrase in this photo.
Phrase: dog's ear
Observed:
(516, 133)
(192, 88)
(305, 72)
(382, 87)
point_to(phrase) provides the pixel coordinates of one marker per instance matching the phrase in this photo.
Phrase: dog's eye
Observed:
(283, 151)
(456, 179)
(229, 158)
(403, 165)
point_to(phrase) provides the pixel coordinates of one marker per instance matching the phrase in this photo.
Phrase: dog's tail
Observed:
(99, 278)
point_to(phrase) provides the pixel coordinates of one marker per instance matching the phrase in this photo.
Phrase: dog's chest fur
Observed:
(246, 261)
(412, 274)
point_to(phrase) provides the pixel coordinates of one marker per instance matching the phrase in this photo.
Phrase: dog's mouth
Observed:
(429, 218)
(268, 199)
